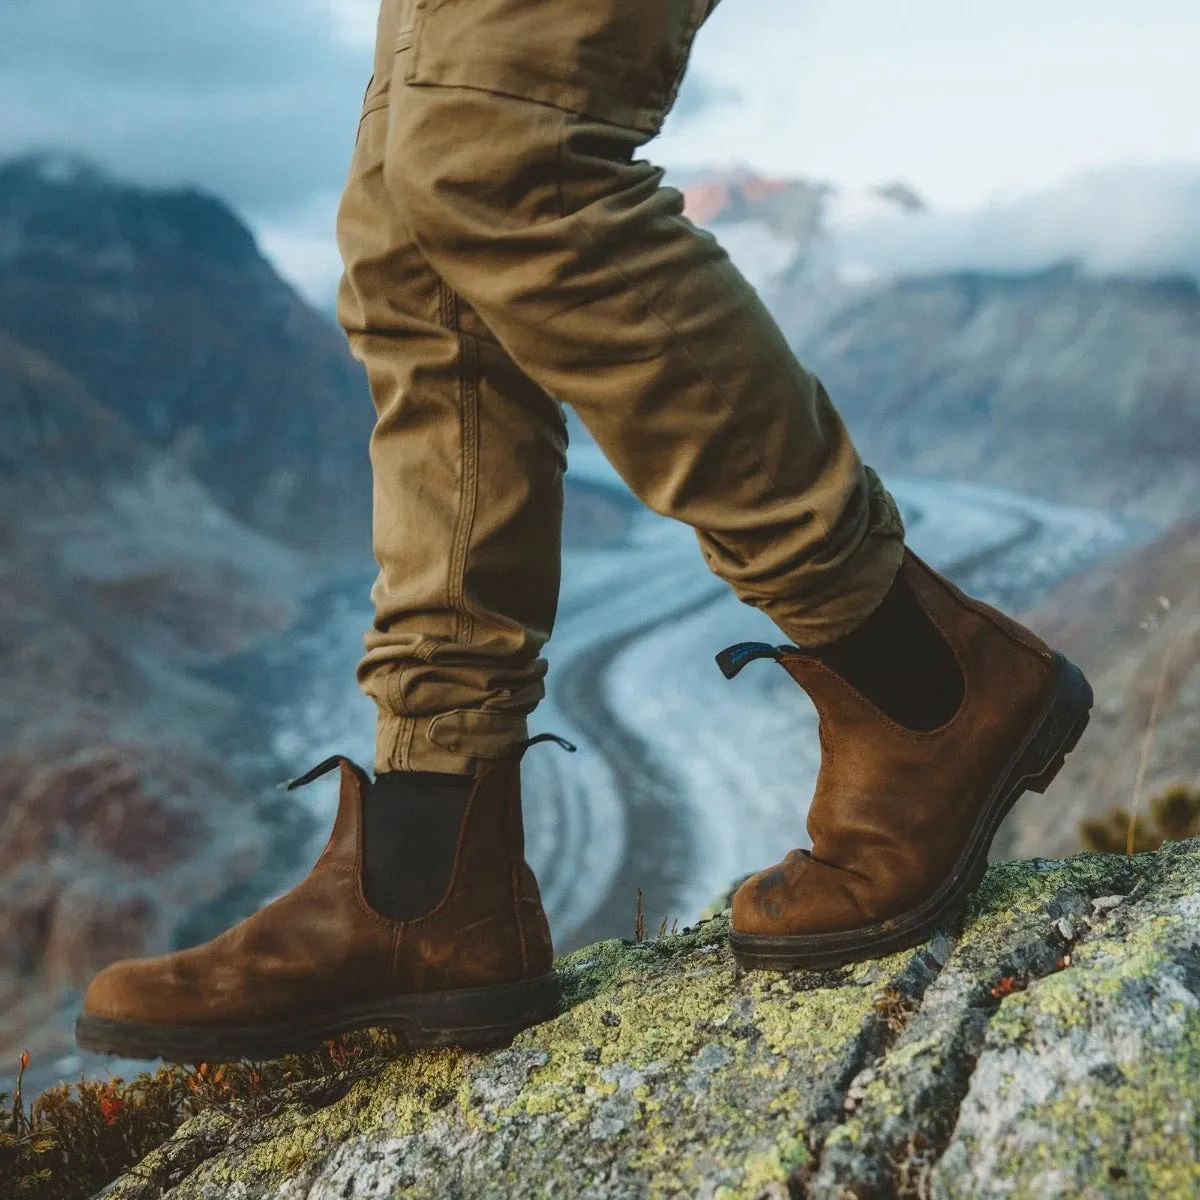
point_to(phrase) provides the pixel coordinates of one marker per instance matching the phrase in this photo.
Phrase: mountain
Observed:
(1056, 381)
(790, 207)
(119, 575)
(161, 305)
(796, 208)
(128, 534)
(1109, 619)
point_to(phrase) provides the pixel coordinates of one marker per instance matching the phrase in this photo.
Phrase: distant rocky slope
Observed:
(119, 574)
(161, 305)
(1109, 620)
(1056, 382)
(1049, 1048)
(1075, 388)
(182, 457)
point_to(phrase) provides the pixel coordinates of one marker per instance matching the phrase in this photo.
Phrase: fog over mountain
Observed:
(1142, 222)
(1069, 367)
(1139, 221)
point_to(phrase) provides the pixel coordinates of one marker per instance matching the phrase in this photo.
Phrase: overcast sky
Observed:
(974, 105)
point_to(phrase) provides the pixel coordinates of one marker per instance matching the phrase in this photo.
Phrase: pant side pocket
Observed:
(618, 61)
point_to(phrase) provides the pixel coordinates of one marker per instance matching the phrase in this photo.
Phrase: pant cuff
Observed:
(452, 741)
(861, 585)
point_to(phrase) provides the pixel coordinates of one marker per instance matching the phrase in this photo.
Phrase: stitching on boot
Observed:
(355, 872)
(915, 735)
(987, 613)
(401, 929)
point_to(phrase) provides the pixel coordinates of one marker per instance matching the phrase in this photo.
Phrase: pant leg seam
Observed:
(406, 720)
(468, 409)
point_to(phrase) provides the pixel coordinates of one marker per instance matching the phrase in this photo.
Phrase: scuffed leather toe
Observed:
(901, 818)
(797, 896)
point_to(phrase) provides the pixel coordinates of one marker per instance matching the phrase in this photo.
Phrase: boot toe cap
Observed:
(796, 897)
(136, 990)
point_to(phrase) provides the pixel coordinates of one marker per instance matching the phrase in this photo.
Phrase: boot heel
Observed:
(1060, 731)
(1041, 782)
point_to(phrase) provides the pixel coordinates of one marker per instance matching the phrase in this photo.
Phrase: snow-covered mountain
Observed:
(1060, 375)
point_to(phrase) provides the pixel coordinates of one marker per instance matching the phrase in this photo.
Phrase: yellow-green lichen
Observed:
(670, 1073)
(1094, 1071)
(1139, 1137)
(671, 1084)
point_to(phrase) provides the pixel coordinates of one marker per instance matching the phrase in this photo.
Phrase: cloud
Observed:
(1140, 221)
(257, 102)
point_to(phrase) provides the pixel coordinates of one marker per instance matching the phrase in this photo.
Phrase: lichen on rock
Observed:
(1048, 1047)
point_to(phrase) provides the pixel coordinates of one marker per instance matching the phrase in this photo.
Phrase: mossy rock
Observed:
(1048, 1047)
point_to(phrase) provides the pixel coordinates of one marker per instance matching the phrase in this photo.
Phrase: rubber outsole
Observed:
(474, 1018)
(1034, 764)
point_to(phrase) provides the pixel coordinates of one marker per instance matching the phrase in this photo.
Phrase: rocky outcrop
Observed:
(1048, 1047)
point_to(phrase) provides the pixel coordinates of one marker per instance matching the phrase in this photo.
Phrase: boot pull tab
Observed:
(521, 747)
(322, 768)
(733, 658)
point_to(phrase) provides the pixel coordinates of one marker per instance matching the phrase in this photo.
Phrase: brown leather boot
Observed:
(319, 961)
(901, 821)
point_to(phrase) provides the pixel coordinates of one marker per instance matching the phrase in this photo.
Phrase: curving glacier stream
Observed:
(683, 781)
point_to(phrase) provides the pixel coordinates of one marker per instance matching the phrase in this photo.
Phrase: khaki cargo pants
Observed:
(506, 254)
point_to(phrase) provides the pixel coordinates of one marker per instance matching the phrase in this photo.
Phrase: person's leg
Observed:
(510, 155)
(468, 457)
(421, 913)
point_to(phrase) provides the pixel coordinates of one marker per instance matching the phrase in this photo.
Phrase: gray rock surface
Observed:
(1050, 1046)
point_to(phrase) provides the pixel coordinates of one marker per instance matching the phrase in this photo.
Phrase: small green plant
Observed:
(1174, 815)
(76, 1138)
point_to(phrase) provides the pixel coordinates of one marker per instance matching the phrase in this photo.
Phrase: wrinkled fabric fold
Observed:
(507, 253)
